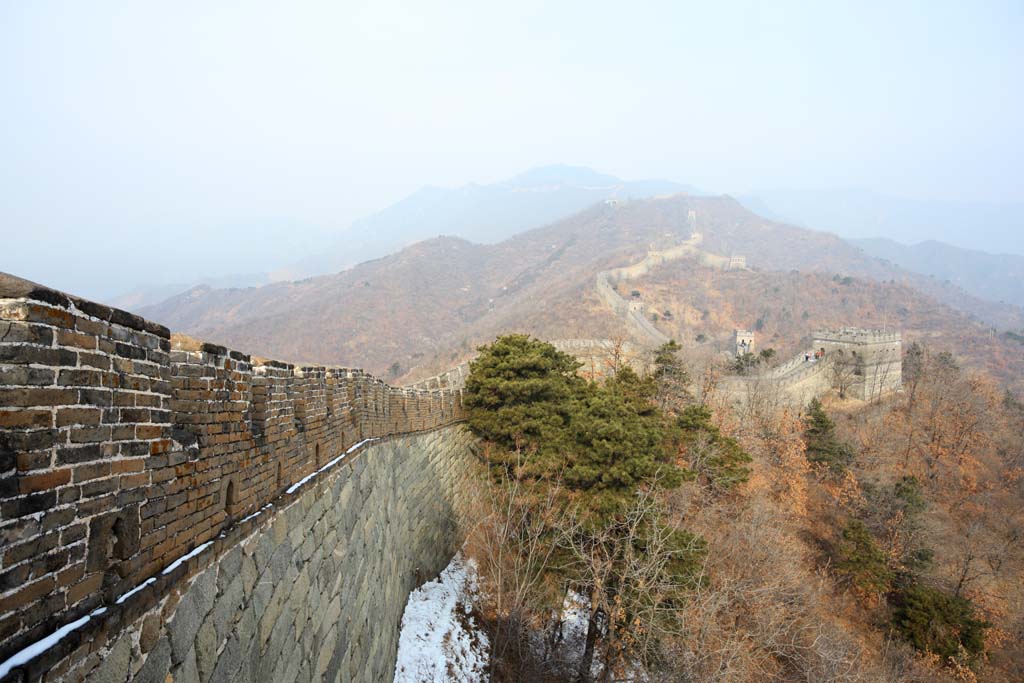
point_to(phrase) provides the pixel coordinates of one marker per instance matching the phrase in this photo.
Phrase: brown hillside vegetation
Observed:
(783, 308)
(934, 478)
(417, 311)
(844, 543)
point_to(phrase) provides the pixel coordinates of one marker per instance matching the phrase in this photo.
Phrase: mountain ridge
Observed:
(433, 302)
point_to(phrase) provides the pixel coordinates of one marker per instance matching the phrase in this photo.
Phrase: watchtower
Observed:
(744, 340)
(874, 358)
(737, 262)
(691, 220)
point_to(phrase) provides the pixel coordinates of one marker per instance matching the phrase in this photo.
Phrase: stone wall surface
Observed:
(315, 592)
(123, 449)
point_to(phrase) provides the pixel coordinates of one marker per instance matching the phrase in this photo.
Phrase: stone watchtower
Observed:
(873, 359)
(744, 342)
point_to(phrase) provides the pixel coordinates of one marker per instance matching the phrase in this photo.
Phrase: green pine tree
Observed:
(726, 465)
(617, 441)
(520, 394)
(938, 622)
(606, 447)
(820, 436)
(861, 560)
(671, 378)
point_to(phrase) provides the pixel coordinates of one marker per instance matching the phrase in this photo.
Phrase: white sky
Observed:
(148, 141)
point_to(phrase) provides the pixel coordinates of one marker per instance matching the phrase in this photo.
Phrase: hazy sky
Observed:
(146, 141)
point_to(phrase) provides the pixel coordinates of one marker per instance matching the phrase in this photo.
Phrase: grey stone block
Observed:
(157, 664)
(183, 628)
(115, 666)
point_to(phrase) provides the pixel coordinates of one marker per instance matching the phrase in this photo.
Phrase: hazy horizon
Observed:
(147, 143)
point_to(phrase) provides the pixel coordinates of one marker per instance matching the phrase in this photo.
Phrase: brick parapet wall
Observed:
(122, 448)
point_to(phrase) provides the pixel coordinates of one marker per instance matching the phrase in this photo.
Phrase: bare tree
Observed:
(514, 543)
(634, 570)
(844, 371)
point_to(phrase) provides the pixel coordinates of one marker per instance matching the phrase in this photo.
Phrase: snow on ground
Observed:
(573, 622)
(440, 641)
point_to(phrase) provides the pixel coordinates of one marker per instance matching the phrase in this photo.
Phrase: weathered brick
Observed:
(25, 419)
(27, 505)
(13, 332)
(149, 431)
(78, 416)
(71, 574)
(37, 354)
(37, 397)
(129, 351)
(128, 466)
(76, 339)
(88, 508)
(94, 360)
(30, 311)
(89, 585)
(76, 454)
(26, 462)
(94, 397)
(133, 449)
(34, 440)
(98, 487)
(89, 434)
(80, 378)
(68, 494)
(124, 399)
(72, 534)
(38, 546)
(27, 594)
(15, 577)
(131, 480)
(57, 518)
(15, 375)
(31, 483)
(91, 471)
(122, 432)
(93, 328)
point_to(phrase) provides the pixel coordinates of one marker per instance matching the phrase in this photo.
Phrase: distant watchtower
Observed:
(744, 342)
(873, 357)
(636, 302)
(737, 262)
(691, 219)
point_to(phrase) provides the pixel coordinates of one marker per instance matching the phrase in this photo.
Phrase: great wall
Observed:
(868, 361)
(175, 510)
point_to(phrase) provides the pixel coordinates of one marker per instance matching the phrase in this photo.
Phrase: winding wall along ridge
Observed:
(797, 379)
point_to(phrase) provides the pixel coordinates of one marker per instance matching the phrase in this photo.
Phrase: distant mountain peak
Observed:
(562, 175)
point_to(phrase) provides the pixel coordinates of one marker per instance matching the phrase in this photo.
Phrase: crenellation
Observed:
(123, 448)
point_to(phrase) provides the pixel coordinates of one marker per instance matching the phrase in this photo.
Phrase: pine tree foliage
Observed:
(938, 622)
(718, 459)
(862, 561)
(671, 378)
(618, 440)
(601, 441)
(520, 393)
(604, 452)
(820, 436)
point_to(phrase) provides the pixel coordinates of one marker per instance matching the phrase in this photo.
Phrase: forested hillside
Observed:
(430, 304)
(648, 528)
